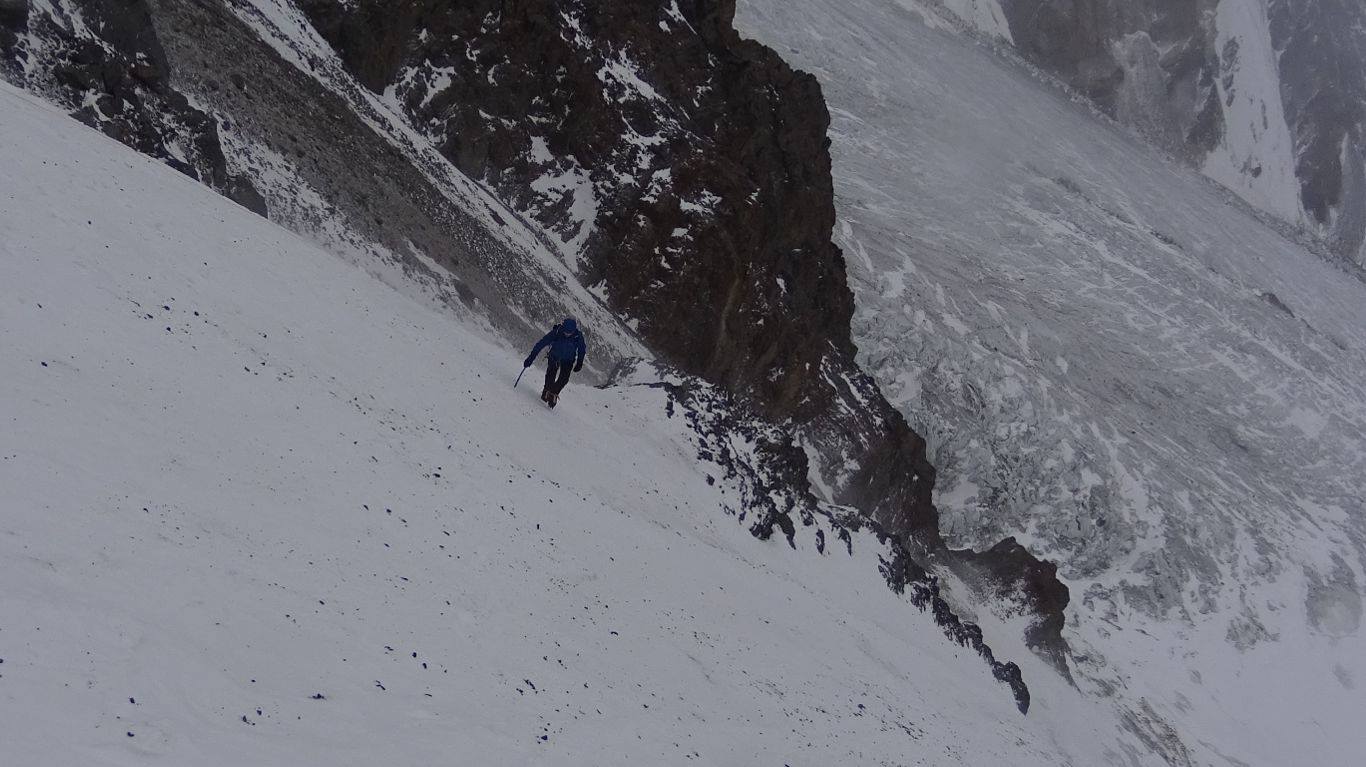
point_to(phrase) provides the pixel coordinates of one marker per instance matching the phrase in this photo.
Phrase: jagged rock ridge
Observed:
(684, 171)
(117, 80)
(760, 461)
(687, 172)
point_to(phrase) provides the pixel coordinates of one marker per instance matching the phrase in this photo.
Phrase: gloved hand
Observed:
(578, 366)
(527, 363)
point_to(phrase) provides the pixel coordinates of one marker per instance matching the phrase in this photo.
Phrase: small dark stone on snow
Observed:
(317, 696)
(129, 734)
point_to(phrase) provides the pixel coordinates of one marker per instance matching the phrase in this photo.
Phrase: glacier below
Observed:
(1118, 364)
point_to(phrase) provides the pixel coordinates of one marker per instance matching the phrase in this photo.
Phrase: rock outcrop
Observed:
(769, 473)
(111, 71)
(686, 173)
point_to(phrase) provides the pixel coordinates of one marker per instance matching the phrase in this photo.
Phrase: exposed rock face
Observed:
(332, 151)
(701, 156)
(13, 20)
(197, 86)
(113, 74)
(687, 174)
(759, 460)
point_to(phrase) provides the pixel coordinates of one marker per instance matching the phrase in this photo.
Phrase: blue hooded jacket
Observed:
(566, 343)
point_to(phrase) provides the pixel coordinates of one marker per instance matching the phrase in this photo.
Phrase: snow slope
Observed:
(1112, 362)
(259, 507)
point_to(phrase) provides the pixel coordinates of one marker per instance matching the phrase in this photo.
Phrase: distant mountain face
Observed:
(1321, 48)
(1265, 96)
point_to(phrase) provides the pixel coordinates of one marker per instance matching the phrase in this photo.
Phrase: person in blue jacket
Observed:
(567, 349)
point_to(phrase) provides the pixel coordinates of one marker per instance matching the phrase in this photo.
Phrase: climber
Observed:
(567, 350)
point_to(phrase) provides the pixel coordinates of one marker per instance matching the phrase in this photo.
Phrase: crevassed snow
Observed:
(1197, 464)
(259, 507)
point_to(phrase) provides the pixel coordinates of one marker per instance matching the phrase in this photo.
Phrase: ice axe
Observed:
(519, 378)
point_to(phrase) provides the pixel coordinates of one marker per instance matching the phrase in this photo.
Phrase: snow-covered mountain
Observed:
(872, 303)
(261, 507)
(1267, 97)
(1112, 363)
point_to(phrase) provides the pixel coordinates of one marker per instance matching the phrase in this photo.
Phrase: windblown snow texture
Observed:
(1138, 379)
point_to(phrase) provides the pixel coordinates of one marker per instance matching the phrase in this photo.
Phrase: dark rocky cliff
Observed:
(706, 160)
(117, 79)
(711, 184)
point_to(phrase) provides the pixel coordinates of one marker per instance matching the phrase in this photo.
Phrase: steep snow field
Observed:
(1113, 363)
(238, 473)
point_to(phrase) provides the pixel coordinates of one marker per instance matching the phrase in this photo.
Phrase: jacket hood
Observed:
(569, 325)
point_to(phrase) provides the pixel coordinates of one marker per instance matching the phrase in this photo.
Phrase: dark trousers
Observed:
(557, 374)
